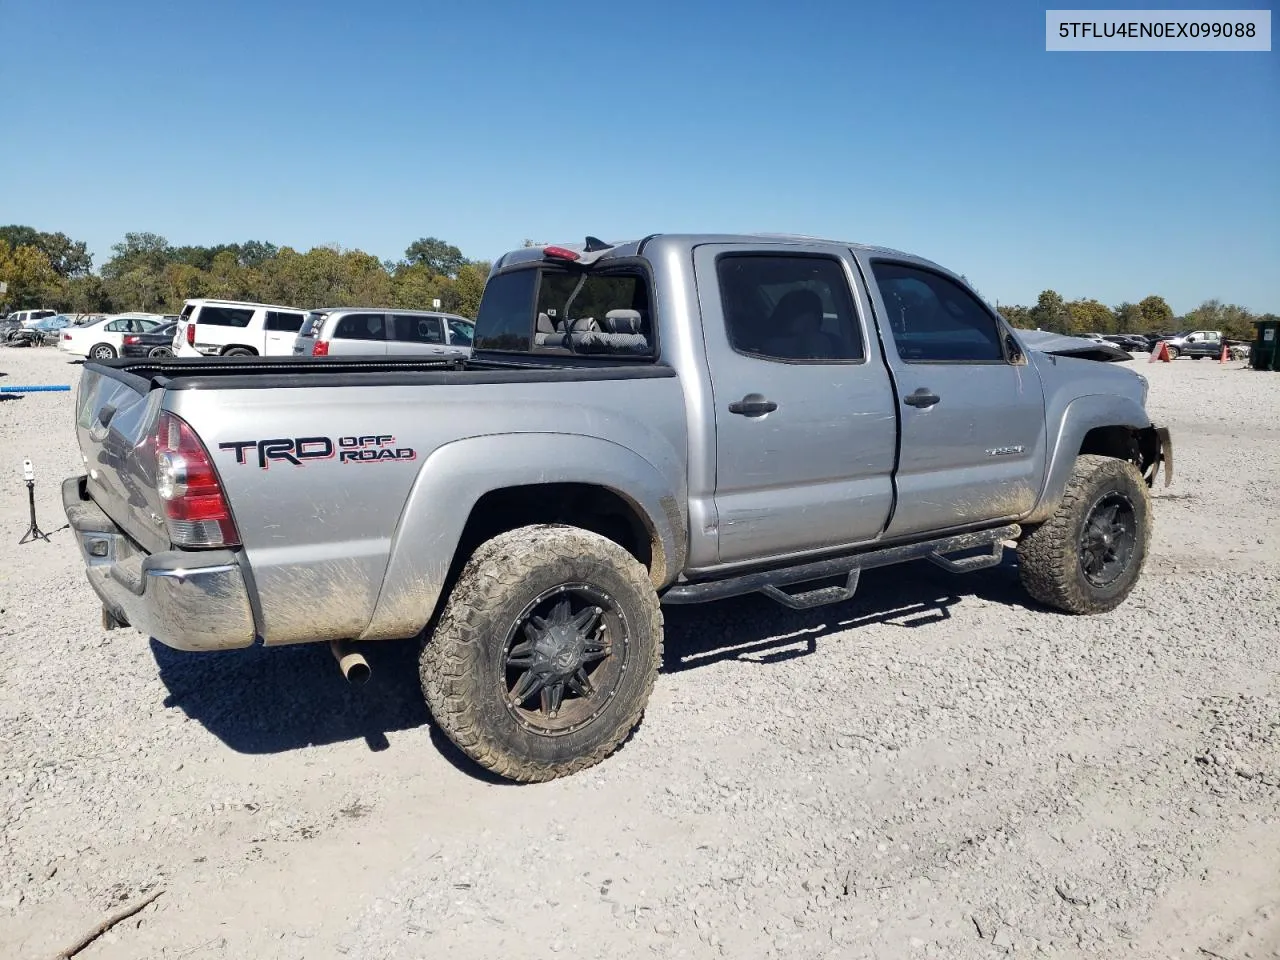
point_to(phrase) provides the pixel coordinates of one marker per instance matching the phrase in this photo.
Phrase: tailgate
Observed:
(116, 413)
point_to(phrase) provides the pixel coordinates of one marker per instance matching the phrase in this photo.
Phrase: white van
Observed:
(234, 328)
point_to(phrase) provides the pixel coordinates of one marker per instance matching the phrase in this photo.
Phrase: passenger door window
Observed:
(224, 316)
(361, 326)
(413, 329)
(789, 308)
(934, 319)
(280, 321)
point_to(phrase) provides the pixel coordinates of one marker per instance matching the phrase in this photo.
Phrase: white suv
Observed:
(380, 332)
(233, 328)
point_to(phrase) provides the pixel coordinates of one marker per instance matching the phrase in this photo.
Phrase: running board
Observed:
(771, 582)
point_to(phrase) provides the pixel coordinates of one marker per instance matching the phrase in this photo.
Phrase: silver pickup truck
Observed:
(671, 420)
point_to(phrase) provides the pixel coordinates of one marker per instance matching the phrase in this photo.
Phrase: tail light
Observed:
(191, 334)
(196, 510)
(321, 348)
(132, 339)
(66, 336)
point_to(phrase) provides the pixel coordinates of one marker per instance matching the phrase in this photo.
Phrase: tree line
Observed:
(1150, 315)
(147, 273)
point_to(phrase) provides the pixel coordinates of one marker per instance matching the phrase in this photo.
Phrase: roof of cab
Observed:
(594, 250)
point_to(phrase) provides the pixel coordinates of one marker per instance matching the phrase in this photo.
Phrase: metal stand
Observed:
(34, 532)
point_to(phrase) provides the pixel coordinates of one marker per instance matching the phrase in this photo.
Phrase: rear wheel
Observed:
(1086, 558)
(161, 352)
(238, 352)
(545, 655)
(103, 351)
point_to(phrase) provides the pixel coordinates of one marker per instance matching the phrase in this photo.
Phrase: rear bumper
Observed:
(188, 601)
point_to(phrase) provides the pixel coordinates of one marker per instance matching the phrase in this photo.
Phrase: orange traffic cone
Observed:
(1225, 355)
(1160, 352)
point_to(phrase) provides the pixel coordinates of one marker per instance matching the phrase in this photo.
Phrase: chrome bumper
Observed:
(188, 601)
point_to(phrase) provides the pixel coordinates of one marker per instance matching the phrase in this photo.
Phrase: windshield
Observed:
(462, 331)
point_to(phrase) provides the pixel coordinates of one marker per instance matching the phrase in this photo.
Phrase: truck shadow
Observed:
(755, 629)
(261, 701)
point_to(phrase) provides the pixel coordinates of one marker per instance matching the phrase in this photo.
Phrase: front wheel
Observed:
(1173, 353)
(545, 654)
(1087, 556)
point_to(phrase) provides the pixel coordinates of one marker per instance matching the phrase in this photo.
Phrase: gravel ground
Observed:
(934, 769)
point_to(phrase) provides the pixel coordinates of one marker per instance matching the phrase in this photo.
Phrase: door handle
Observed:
(921, 398)
(753, 405)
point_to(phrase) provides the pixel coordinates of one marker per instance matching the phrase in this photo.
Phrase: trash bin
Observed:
(1264, 354)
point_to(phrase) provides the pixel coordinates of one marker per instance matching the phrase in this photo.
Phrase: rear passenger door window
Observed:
(935, 320)
(283, 322)
(789, 308)
(224, 316)
(361, 326)
(413, 329)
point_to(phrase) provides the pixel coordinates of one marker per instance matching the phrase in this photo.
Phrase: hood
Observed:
(1046, 341)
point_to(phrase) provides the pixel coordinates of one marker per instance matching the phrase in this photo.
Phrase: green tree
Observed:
(31, 281)
(67, 257)
(138, 251)
(1128, 317)
(1089, 316)
(1156, 314)
(1017, 315)
(436, 255)
(1050, 312)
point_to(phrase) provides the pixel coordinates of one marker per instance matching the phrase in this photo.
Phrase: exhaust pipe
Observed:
(353, 665)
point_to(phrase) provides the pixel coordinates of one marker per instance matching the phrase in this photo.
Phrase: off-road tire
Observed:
(102, 351)
(1049, 563)
(458, 663)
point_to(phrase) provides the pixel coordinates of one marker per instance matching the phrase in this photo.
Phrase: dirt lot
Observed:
(935, 769)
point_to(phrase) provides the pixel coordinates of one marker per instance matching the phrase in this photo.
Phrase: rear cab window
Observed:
(600, 311)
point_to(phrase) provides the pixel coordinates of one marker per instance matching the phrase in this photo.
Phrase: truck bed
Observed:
(255, 373)
(350, 502)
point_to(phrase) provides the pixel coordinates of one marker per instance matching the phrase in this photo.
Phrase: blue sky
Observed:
(941, 128)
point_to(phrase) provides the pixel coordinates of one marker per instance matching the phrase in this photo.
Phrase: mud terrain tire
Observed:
(1086, 558)
(523, 608)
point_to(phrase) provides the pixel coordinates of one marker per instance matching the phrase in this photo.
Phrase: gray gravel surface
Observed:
(934, 769)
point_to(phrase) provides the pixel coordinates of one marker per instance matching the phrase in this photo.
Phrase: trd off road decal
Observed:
(299, 450)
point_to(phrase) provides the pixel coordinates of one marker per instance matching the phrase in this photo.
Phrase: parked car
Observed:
(1128, 341)
(379, 332)
(671, 420)
(233, 328)
(9, 326)
(27, 317)
(1195, 343)
(1197, 348)
(103, 339)
(153, 343)
(39, 332)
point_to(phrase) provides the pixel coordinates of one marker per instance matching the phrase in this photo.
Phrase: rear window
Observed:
(224, 316)
(600, 313)
(360, 326)
(280, 320)
(312, 321)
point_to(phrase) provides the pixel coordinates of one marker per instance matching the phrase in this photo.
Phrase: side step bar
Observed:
(771, 582)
